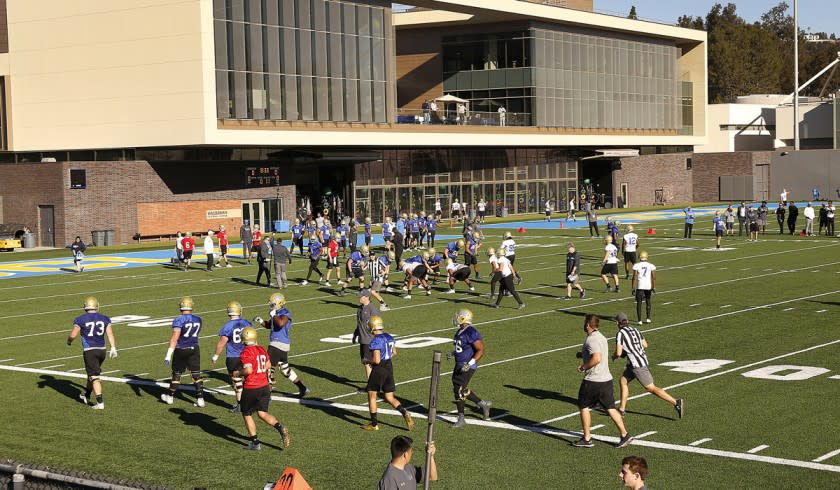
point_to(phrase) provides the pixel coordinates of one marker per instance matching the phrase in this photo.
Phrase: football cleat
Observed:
(249, 336)
(199, 402)
(235, 409)
(277, 301)
(451, 291)
(624, 441)
(647, 321)
(167, 399)
(83, 399)
(459, 423)
(234, 308)
(91, 304)
(384, 307)
(485, 405)
(409, 422)
(407, 296)
(327, 284)
(186, 304)
(680, 407)
(472, 288)
(284, 436)
(369, 427)
(253, 446)
(304, 283)
(583, 443)
(98, 406)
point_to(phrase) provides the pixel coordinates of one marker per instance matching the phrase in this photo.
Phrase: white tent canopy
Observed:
(450, 98)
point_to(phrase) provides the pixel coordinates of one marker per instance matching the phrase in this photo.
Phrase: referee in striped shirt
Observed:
(630, 343)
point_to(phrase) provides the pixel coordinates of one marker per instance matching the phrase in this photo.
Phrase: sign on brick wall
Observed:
(223, 213)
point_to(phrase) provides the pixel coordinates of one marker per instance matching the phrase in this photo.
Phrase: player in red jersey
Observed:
(189, 245)
(223, 245)
(332, 261)
(256, 392)
(256, 239)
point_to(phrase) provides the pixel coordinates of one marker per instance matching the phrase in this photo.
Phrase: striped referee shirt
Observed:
(630, 340)
(376, 270)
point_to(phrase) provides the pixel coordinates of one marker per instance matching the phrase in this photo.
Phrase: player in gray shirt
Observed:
(401, 474)
(597, 385)
(362, 334)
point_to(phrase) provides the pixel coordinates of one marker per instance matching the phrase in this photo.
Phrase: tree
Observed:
(632, 14)
(691, 23)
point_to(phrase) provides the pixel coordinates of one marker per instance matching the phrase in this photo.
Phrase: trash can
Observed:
(281, 226)
(109, 237)
(501, 212)
(97, 238)
(28, 240)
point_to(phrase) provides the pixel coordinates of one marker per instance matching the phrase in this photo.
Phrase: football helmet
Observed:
(91, 304)
(234, 308)
(643, 255)
(491, 251)
(297, 221)
(392, 256)
(629, 228)
(277, 300)
(365, 249)
(189, 233)
(461, 317)
(449, 262)
(426, 256)
(461, 243)
(608, 240)
(313, 223)
(404, 216)
(432, 251)
(387, 219)
(249, 336)
(508, 235)
(367, 220)
(375, 324)
(186, 304)
(476, 235)
(500, 253)
(617, 223)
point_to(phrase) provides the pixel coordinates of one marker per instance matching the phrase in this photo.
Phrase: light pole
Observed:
(795, 75)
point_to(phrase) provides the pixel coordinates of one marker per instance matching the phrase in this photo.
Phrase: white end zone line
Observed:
(814, 465)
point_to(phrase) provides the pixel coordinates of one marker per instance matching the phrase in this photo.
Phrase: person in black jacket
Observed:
(264, 260)
(793, 213)
(780, 217)
(78, 249)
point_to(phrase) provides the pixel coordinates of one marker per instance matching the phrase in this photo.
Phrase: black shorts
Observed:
(93, 361)
(482, 214)
(278, 356)
(186, 359)
(511, 258)
(381, 378)
(461, 379)
(388, 239)
(469, 259)
(720, 232)
(188, 254)
(462, 274)
(419, 272)
(630, 257)
(343, 243)
(223, 249)
(364, 352)
(233, 364)
(548, 213)
(592, 392)
(332, 262)
(355, 272)
(608, 269)
(255, 248)
(643, 294)
(753, 226)
(255, 400)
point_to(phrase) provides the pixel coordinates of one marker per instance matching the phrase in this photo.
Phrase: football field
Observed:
(746, 335)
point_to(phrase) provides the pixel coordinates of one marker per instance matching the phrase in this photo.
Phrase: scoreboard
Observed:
(262, 176)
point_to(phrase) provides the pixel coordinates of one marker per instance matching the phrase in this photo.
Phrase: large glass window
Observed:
(312, 55)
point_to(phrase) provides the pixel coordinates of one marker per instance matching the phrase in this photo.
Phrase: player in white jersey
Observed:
(644, 285)
(508, 272)
(629, 244)
(457, 272)
(610, 267)
(495, 274)
(508, 247)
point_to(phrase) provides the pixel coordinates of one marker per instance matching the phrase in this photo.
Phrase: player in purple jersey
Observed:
(719, 227)
(469, 349)
(280, 342)
(93, 327)
(230, 339)
(368, 232)
(381, 379)
(183, 353)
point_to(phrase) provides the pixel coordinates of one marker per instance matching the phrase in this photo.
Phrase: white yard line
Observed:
(644, 434)
(758, 449)
(700, 441)
(827, 456)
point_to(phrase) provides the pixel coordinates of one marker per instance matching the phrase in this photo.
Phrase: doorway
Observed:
(624, 195)
(46, 221)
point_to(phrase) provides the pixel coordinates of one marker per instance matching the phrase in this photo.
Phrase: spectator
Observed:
(245, 236)
(208, 250)
(401, 474)
(793, 213)
(742, 218)
(592, 217)
(263, 261)
(78, 249)
(830, 216)
(282, 256)
(502, 116)
(780, 216)
(809, 220)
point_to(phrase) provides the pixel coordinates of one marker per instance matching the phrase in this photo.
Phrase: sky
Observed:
(814, 15)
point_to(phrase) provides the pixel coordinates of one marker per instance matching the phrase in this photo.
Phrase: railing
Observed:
(471, 118)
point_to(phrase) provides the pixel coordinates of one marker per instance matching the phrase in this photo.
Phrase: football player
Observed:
(573, 272)
(434, 262)
(452, 249)
(230, 339)
(93, 327)
(356, 265)
(315, 250)
(628, 247)
(341, 231)
(415, 270)
(256, 392)
(387, 233)
(368, 232)
(644, 285)
(610, 261)
(297, 236)
(471, 252)
(469, 349)
(189, 246)
(381, 380)
(183, 352)
(414, 232)
(223, 246)
(280, 342)
(495, 274)
(332, 262)
(508, 272)
(457, 272)
(431, 229)
(326, 232)
(719, 226)
(509, 247)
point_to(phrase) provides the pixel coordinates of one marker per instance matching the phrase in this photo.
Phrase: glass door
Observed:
(253, 213)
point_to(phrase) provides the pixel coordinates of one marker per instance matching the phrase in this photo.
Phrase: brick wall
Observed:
(155, 218)
(647, 173)
(708, 167)
(25, 186)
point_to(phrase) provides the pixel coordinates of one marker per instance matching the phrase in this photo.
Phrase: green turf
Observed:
(727, 305)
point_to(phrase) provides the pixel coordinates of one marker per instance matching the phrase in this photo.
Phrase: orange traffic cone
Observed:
(651, 231)
(521, 229)
(291, 479)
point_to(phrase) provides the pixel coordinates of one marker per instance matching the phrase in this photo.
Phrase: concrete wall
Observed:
(646, 174)
(799, 172)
